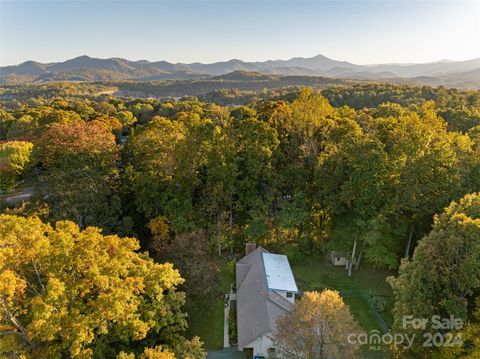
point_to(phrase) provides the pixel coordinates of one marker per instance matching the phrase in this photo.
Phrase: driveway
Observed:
(226, 353)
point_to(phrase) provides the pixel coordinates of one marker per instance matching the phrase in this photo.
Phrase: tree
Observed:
(142, 111)
(253, 143)
(352, 178)
(470, 336)
(80, 294)
(425, 162)
(14, 159)
(163, 161)
(48, 116)
(215, 201)
(126, 118)
(473, 178)
(191, 349)
(87, 196)
(149, 353)
(189, 253)
(81, 179)
(318, 327)
(444, 271)
(22, 128)
(303, 127)
(6, 120)
(111, 124)
(83, 143)
(33, 121)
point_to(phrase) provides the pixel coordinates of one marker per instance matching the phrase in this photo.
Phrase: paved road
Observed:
(18, 197)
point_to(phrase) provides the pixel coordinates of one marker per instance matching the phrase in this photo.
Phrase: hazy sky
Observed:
(358, 31)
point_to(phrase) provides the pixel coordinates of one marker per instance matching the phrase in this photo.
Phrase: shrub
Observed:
(376, 301)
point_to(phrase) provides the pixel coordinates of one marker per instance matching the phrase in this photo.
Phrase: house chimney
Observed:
(250, 247)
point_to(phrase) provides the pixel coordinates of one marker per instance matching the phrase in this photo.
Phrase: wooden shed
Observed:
(338, 259)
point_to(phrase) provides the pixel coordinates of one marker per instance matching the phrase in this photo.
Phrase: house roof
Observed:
(278, 272)
(258, 306)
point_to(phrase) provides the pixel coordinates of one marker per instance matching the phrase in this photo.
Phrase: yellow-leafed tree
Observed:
(81, 294)
(318, 327)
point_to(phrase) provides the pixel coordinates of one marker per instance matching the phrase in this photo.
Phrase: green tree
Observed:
(444, 271)
(473, 176)
(6, 120)
(142, 111)
(22, 128)
(254, 142)
(303, 127)
(126, 118)
(425, 164)
(352, 180)
(14, 159)
(162, 172)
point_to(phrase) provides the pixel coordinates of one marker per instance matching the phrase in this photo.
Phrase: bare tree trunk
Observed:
(409, 244)
(231, 222)
(219, 245)
(219, 234)
(360, 254)
(21, 330)
(39, 278)
(352, 261)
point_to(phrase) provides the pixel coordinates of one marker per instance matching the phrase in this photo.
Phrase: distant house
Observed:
(265, 291)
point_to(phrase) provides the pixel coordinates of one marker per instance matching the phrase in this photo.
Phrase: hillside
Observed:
(85, 68)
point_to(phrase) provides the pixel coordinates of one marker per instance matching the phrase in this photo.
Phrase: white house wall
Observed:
(284, 295)
(261, 345)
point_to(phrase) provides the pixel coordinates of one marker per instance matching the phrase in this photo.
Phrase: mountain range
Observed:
(85, 68)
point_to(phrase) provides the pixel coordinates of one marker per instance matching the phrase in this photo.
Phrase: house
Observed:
(265, 291)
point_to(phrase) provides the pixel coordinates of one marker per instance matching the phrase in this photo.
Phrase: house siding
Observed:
(261, 345)
(284, 295)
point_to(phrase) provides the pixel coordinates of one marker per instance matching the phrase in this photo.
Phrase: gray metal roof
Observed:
(278, 272)
(258, 307)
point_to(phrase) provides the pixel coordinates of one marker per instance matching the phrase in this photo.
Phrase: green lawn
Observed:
(362, 313)
(206, 317)
(318, 274)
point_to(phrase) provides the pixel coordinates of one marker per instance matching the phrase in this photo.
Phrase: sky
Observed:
(362, 32)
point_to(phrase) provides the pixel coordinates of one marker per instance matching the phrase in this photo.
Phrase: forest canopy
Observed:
(361, 169)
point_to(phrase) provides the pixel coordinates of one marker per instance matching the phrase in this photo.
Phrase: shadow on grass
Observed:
(205, 316)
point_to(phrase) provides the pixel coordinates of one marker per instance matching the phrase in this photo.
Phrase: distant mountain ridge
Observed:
(85, 68)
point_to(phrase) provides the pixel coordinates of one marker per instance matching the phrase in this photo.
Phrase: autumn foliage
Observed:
(317, 328)
(80, 294)
(76, 142)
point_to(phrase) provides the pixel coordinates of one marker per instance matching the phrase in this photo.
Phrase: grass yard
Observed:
(206, 317)
(361, 311)
(317, 274)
